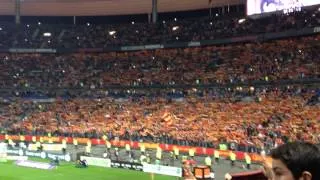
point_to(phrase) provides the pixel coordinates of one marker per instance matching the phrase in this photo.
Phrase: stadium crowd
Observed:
(263, 117)
(231, 108)
(176, 30)
(259, 116)
(275, 61)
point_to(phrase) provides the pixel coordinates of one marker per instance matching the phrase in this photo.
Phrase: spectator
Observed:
(296, 160)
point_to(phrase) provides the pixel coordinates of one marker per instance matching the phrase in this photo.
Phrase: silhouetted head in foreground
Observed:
(296, 161)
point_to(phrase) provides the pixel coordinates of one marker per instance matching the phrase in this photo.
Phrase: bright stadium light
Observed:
(132, 22)
(211, 23)
(39, 23)
(175, 28)
(47, 34)
(112, 33)
(241, 21)
(175, 19)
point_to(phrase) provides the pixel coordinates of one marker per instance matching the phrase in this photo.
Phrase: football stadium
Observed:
(159, 89)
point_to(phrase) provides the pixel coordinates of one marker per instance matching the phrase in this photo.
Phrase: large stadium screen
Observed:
(266, 6)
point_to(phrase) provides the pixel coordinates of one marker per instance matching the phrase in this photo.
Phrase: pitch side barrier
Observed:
(136, 166)
(251, 38)
(224, 152)
(42, 154)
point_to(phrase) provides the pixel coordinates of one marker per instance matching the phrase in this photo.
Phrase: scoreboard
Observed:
(267, 6)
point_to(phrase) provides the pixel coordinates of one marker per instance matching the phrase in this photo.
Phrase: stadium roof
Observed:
(104, 7)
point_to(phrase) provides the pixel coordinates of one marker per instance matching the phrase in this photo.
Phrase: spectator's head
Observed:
(296, 161)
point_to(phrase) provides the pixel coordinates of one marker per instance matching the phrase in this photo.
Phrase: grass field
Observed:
(67, 171)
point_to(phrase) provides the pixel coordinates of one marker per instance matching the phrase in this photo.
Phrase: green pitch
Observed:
(67, 171)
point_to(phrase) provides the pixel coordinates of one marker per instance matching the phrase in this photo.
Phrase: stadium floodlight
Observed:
(175, 28)
(47, 34)
(241, 21)
(112, 33)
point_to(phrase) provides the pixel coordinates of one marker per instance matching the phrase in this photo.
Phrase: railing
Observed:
(257, 83)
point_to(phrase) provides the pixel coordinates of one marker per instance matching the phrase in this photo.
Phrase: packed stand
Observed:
(275, 61)
(177, 30)
(263, 117)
